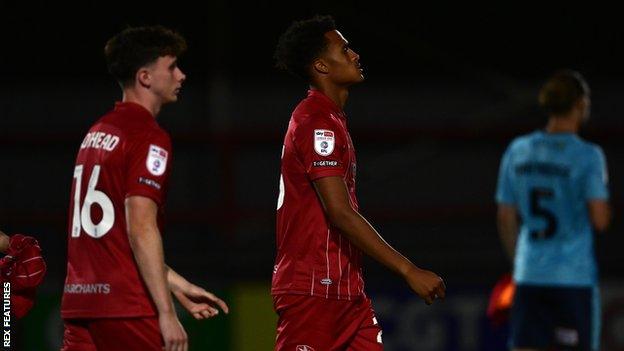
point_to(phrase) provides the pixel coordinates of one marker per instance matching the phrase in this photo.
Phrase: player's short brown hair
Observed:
(135, 47)
(561, 91)
(301, 43)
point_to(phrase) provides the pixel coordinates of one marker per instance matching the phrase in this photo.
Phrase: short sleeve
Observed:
(597, 178)
(148, 162)
(504, 188)
(321, 145)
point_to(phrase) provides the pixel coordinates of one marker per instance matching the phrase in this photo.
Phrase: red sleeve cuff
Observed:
(146, 193)
(326, 173)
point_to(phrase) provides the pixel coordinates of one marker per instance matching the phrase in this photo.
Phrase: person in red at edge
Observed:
(317, 288)
(118, 288)
(24, 268)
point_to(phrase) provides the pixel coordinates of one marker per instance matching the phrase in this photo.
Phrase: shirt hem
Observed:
(326, 296)
(556, 284)
(90, 315)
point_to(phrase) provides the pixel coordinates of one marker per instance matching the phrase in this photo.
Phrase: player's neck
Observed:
(338, 95)
(561, 124)
(148, 101)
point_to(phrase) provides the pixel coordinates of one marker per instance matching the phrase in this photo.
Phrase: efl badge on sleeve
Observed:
(156, 160)
(324, 142)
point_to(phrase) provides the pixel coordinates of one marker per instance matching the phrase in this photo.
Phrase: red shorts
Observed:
(104, 334)
(309, 323)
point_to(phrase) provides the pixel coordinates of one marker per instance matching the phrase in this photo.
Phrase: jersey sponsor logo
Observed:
(149, 182)
(94, 288)
(100, 140)
(326, 163)
(156, 160)
(324, 141)
(304, 348)
(326, 281)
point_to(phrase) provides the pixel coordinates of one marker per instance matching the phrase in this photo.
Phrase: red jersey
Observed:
(125, 153)
(313, 257)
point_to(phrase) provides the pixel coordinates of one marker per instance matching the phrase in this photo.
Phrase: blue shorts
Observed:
(564, 317)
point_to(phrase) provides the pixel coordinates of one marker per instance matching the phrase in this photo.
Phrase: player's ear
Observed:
(144, 77)
(581, 104)
(320, 67)
(585, 101)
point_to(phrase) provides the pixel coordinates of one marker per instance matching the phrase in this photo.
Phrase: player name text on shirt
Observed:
(100, 140)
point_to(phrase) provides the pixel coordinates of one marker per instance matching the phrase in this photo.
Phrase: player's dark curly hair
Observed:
(136, 47)
(301, 43)
(561, 91)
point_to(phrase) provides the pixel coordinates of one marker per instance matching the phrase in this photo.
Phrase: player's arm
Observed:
(507, 221)
(175, 280)
(507, 218)
(333, 194)
(599, 214)
(199, 302)
(597, 192)
(146, 244)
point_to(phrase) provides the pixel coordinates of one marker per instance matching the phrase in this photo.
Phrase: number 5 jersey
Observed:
(125, 153)
(550, 178)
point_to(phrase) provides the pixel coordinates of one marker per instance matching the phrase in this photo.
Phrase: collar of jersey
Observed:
(135, 109)
(544, 132)
(327, 102)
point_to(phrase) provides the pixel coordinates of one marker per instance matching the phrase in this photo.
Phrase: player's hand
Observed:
(200, 303)
(172, 332)
(428, 285)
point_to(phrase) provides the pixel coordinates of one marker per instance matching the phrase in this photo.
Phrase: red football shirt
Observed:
(313, 257)
(125, 153)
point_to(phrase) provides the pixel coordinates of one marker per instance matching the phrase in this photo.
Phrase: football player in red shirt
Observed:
(118, 288)
(317, 288)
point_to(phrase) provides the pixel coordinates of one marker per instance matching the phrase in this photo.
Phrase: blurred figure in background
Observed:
(552, 195)
(318, 287)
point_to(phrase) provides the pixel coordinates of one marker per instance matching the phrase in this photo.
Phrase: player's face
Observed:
(166, 78)
(343, 63)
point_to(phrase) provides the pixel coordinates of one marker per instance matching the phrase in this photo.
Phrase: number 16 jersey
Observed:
(125, 153)
(549, 178)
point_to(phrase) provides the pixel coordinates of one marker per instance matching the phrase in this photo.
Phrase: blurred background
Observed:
(447, 88)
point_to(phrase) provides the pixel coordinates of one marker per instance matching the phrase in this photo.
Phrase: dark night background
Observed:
(447, 87)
